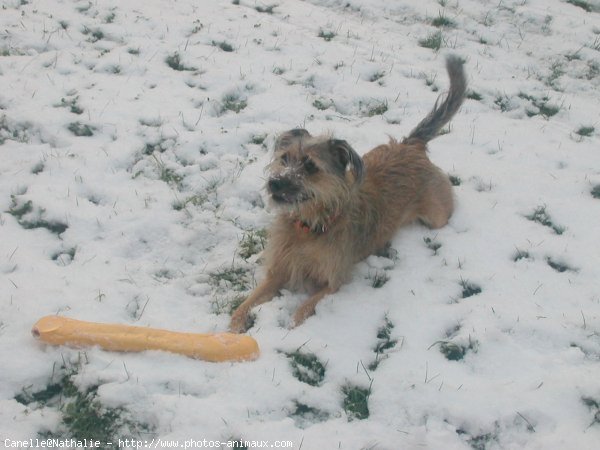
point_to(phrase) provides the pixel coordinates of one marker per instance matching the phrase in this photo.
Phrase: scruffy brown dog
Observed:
(336, 208)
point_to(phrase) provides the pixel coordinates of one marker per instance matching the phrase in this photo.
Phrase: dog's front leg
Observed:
(307, 309)
(263, 293)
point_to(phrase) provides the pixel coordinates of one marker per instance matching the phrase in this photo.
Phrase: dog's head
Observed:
(307, 168)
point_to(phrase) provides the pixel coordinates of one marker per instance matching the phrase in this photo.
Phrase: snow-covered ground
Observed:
(133, 140)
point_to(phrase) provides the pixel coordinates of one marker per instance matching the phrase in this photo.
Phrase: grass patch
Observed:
(539, 106)
(503, 102)
(442, 21)
(585, 131)
(252, 242)
(233, 102)
(322, 105)
(304, 415)
(194, 200)
(559, 266)
(223, 45)
(378, 278)
(385, 342)
(373, 108)
(71, 104)
(79, 129)
(520, 254)
(541, 216)
(266, 9)
(95, 34)
(356, 401)
(455, 180)
(326, 35)
(469, 289)
(174, 62)
(594, 406)
(306, 367)
(455, 352)
(377, 76)
(473, 95)
(432, 244)
(433, 41)
(83, 415)
(31, 218)
(258, 139)
(18, 132)
(581, 4)
(230, 278)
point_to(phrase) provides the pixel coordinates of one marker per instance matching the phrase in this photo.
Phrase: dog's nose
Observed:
(277, 185)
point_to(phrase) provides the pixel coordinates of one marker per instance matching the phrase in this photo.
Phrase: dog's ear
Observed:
(348, 157)
(287, 138)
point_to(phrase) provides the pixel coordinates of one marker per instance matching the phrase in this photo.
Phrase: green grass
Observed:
(442, 21)
(306, 367)
(95, 34)
(233, 102)
(385, 342)
(377, 76)
(378, 278)
(520, 254)
(455, 352)
(18, 132)
(559, 266)
(473, 95)
(326, 35)
(469, 289)
(305, 415)
(433, 41)
(174, 62)
(194, 200)
(266, 9)
(71, 104)
(79, 129)
(373, 108)
(321, 105)
(432, 244)
(34, 217)
(541, 216)
(252, 243)
(585, 131)
(82, 414)
(356, 401)
(223, 45)
(596, 191)
(594, 407)
(503, 102)
(586, 6)
(455, 180)
(541, 106)
(230, 278)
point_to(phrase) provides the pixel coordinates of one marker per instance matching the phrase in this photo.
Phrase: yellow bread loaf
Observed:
(214, 347)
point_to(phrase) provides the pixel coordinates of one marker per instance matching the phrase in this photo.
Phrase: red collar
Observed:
(302, 227)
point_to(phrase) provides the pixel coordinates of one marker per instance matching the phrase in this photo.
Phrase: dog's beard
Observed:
(289, 199)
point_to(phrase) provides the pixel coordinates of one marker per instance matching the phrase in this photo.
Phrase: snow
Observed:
(156, 201)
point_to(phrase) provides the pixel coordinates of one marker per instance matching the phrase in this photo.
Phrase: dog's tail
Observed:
(442, 112)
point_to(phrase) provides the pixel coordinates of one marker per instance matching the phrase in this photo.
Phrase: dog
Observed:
(336, 208)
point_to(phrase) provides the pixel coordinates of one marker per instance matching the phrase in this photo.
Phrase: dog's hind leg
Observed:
(437, 203)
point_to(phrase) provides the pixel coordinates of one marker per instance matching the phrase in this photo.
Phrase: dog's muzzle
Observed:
(284, 190)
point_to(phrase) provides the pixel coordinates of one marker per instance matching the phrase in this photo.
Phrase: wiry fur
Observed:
(336, 208)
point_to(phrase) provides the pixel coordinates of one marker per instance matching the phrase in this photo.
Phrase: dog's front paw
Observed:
(239, 321)
(301, 314)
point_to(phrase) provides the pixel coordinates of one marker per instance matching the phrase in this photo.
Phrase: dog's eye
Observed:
(284, 158)
(309, 166)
